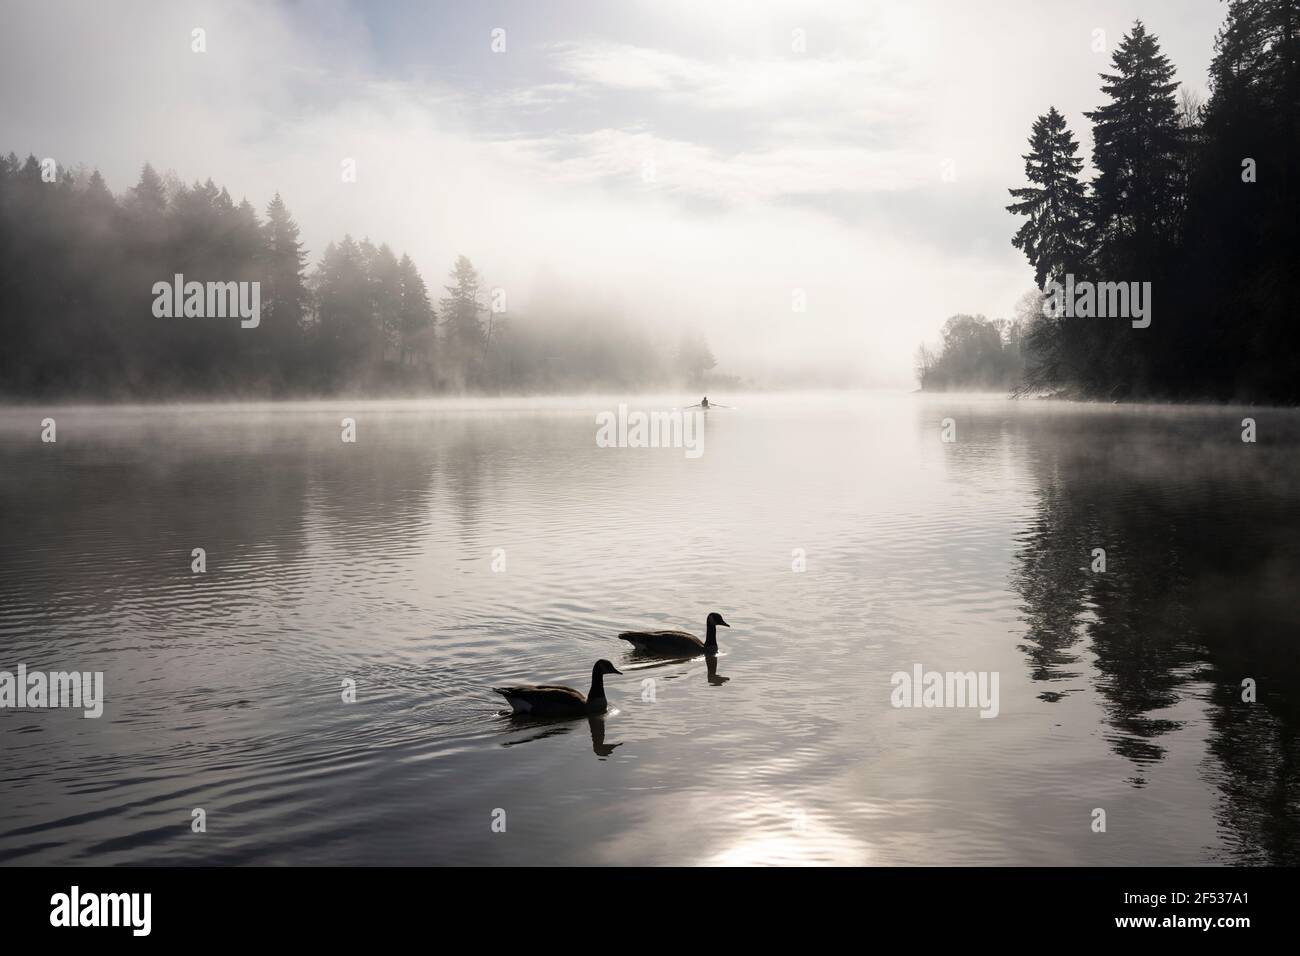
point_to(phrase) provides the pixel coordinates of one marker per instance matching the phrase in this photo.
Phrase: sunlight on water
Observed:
(374, 562)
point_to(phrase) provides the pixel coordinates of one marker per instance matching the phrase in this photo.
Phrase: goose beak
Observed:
(722, 622)
(615, 670)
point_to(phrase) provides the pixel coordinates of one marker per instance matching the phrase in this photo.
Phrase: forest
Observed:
(78, 321)
(1200, 199)
(974, 353)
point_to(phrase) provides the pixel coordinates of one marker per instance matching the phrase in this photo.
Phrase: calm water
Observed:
(374, 562)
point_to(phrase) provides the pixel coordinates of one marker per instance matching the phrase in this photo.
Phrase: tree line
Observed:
(974, 353)
(77, 316)
(1202, 200)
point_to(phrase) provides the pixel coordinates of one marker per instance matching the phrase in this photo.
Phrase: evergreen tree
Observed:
(77, 302)
(386, 298)
(1136, 150)
(148, 194)
(1244, 228)
(460, 308)
(417, 319)
(344, 310)
(284, 288)
(1138, 205)
(1053, 235)
(98, 205)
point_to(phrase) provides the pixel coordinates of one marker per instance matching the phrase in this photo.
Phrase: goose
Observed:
(677, 643)
(550, 700)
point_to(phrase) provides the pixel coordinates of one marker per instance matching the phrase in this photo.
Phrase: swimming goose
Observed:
(550, 700)
(677, 643)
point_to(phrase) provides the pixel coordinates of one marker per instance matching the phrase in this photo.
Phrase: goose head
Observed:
(604, 667)
(715, 620)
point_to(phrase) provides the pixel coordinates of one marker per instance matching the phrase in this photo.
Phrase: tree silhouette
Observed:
(460, 309)
(694, 358)
(1053, 235)
(1203, 202)
(77, 318)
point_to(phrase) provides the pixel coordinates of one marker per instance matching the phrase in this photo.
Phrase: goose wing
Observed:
(544, 700)
(653, 639)
(541, 693)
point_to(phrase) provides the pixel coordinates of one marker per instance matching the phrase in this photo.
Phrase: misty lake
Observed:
(460, 545)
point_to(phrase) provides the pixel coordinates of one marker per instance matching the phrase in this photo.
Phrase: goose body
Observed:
(554, 700)
(677, 643)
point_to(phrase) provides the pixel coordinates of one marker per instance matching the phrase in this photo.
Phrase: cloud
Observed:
(865, 88)
(772, 171)
(682, 169)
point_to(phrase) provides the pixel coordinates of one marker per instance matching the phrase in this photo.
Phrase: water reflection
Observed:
(711, 662)
(598, 745)
(546, 728)
(376, 562)
(784, 834)
(1197, 594)
(647, 660)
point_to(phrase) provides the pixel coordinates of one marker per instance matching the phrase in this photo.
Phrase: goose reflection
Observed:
(711, 662)
(643, 661)
(596, 723)
(556, 726)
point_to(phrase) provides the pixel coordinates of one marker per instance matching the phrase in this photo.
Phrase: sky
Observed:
(705, 165)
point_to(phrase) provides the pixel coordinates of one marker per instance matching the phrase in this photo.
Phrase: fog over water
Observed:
(374, 562)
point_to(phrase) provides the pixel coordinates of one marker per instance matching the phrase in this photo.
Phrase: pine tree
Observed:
(148, 195)
(1054, 238)
(344, 310)
(416, 323)
(1244, 233)
(386, 297)
(460, 310)
(98, 204)
(1137, 153)
(285, 297)
(284, 287)
(1053, 235)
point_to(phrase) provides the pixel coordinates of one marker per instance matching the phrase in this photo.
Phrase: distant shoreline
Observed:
(1072, 398)
(655, 393)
